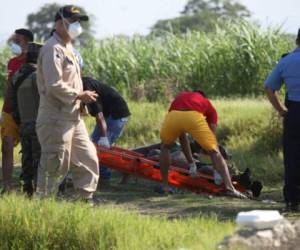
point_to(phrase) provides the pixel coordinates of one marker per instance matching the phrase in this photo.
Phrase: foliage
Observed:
(235, 60)
(249, 129)
(4, 57)
(224, 8)
(204, 21)
(202, 15)
(41, 23)
(46, 224)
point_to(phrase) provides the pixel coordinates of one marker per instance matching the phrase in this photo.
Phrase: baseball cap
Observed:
(70, 11)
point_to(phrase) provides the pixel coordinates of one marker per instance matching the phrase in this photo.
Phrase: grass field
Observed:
(133, 216)
(230, 62)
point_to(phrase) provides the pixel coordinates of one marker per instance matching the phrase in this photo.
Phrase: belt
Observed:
(292, 104)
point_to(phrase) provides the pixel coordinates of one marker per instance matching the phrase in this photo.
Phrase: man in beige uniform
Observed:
(61, 131)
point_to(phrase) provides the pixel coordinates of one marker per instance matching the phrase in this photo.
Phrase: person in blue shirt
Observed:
(287, 72)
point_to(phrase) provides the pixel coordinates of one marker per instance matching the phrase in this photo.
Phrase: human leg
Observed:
(26, 177)
(55, 138)
(164, 164)
(115, 128)
(291, 148)
(7, 162)
(85, 169)
(10, 138)
(169, 132)
(186, 148)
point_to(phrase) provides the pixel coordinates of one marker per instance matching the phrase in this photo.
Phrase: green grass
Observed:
(247, 127)
(46, 224)
(134, 216)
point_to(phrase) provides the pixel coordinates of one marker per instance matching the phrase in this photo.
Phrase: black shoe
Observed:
(294, 207)
(291, 207)
(245, 179)
(256, 188)
(93, 202)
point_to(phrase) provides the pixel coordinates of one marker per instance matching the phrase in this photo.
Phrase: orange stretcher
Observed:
(136, 164)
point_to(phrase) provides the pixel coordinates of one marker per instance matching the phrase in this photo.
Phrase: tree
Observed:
(225, 8)
(202, 15)
(204, 21)
(42, 23)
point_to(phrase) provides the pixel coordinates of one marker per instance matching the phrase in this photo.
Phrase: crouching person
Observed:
(25, 103)
(111, 113)
(192, 113)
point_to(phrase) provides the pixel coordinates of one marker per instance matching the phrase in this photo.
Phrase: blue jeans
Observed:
(114, 131)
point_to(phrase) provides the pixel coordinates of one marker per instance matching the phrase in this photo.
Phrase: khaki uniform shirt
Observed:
(59, 82)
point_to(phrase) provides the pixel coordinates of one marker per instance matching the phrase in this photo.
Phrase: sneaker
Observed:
(295, 207)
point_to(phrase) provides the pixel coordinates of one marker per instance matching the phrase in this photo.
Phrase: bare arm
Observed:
(213, 127)
(186, 148)
(101, 124)
(273, 98)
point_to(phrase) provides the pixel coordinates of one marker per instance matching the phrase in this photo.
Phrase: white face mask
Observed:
(16, 49)
(74, 30)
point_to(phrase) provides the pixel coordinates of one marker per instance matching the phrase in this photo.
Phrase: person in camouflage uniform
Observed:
(25, 99)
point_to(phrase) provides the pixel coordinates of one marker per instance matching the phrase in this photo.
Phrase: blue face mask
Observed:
(16, 49)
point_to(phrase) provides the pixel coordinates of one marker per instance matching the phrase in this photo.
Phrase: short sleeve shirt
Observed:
(13, 66)
(287, 72)
(194, 101)
(109, 101)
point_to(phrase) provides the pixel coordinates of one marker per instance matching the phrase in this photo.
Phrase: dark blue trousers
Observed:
(291, 152)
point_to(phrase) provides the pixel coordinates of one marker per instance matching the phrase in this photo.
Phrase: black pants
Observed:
(291, 152)
(31, 153)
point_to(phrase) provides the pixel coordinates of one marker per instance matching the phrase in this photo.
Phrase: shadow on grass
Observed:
(138, 195)
(142, 198)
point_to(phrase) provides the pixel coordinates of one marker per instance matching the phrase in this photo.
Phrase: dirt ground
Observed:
(139, 195)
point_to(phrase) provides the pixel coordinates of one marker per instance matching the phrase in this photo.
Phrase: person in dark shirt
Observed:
(287, 73)
(111, 113)
(25, 103)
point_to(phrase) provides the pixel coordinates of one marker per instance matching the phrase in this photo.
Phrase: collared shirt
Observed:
(59, 81)
(287, 72)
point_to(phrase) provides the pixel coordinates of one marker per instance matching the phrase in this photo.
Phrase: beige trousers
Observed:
(65, 144)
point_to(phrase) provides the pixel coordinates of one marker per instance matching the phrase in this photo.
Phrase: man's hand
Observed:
(282, 112)
(87, 96)
(103, 141)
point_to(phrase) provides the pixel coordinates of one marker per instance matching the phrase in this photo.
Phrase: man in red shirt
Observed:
(9, 129)
(192, 113)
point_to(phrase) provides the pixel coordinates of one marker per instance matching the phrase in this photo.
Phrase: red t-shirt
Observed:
(13, 66)
(188, 101)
